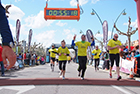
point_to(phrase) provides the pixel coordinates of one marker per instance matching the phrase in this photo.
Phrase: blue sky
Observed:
(31, 15)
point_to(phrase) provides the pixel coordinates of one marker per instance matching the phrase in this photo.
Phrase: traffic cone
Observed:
(131, 74)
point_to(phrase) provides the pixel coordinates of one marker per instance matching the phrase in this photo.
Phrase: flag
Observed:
(105, 33)
(17, 30)
(29, 39)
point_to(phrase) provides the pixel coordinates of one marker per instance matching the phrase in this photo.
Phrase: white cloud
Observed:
(133, 24)
(15, 13)
(66, 31)
(69, 33)
(61, 24)
(37, 21)
(94, 1)
(13, 30)
(47, 38)
(101, 35)
(81, 2)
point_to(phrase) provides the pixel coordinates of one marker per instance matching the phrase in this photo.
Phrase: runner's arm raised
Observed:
(73, 44)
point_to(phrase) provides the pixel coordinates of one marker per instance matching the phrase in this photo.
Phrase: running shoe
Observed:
(95, 70)
(82, 78)
(79, 74)
(110, 75)
(119, 78)
(60, 73)
(63, 77)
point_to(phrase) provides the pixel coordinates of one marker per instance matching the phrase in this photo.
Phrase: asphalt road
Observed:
(41, 80)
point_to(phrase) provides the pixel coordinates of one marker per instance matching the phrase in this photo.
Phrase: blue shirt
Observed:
(4, 27)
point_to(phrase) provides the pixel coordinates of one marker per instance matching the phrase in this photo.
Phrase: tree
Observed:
(34, 46)
(129, 32)
(6, 9)
(101, 43)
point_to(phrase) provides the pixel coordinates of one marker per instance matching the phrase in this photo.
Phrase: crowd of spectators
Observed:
(28, 59)
(129, 54)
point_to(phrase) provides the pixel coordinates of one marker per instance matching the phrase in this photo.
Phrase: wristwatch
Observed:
(10, 44)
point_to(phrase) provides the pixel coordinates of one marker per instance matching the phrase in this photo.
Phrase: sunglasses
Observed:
(116, 36)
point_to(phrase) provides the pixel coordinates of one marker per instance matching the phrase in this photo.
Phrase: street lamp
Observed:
(97, 33)
(93, 13)
(122, 13)
(81, 32)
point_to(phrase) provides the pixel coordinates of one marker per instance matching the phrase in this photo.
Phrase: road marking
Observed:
(20, 89)
(120, 89)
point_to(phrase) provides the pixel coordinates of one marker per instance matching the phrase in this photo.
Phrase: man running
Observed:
(52, 55)
(63, 52)
(82, 53)
(96, 53)
(113, 47)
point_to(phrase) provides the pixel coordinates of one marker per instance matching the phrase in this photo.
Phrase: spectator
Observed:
(129, 55)
(32, 60)
(132, 55)
(42, 60)
(106, 59)
(125, 52)
(1, 61)
(20, 60)
(36, 60)
(28, 58)
(25, 61)
(137, 50)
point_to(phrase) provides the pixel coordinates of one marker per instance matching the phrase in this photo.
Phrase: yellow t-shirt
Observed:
(61, 50)
(51, 53)
(82, 48)
(97, 52)
(113, 43)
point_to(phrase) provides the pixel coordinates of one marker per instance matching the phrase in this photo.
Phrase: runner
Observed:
(52, 51)
(113, 47)
(96, 54)
(63, 53)
(82, 54)
(56, 59)
(69, 59)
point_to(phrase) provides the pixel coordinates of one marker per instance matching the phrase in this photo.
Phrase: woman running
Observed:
(63, 53)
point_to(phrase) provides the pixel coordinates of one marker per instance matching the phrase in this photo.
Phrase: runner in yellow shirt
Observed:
(53, 52)
(63, 53)
(96, 54)
(68, 59)
(113, 47)
(82, 53)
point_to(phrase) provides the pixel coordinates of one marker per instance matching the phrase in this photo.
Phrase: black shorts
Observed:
(116, 58)
(56, 60)
(53, 59)
(62, 65)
